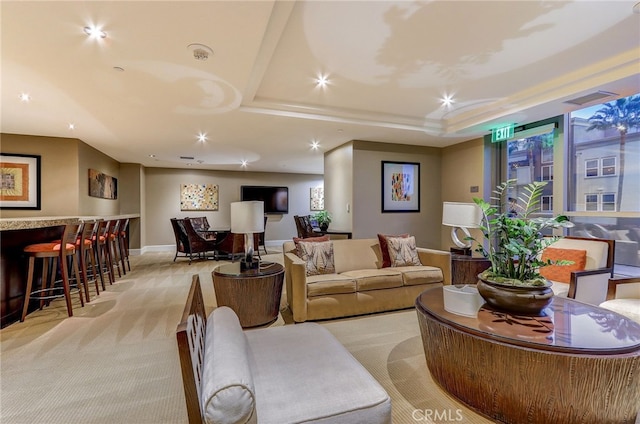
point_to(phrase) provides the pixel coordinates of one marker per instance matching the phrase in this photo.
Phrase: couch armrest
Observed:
(296, 281)
(590, 286)
(437, 258)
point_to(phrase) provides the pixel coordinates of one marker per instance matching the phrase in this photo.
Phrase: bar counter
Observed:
(15, 234)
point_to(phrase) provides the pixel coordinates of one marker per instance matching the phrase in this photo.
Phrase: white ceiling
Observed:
(388, 63)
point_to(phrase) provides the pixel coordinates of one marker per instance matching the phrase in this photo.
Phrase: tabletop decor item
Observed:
(515, 242)
(323, 218)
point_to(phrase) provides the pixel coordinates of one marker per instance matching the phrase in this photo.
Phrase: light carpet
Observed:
(116, 359)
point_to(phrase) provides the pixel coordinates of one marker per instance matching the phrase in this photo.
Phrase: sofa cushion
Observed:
(562, 273)
(374, 279)
(424, 274)
(403, 251)
(384, 248)
(597, 251)
(326, 284)
(227, 391)
(627, 307)
(318, 257)
(297, 240)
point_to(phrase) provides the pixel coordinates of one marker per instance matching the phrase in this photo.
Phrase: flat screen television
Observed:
(276, 199)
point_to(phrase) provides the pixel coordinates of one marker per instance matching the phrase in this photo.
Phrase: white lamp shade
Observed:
(247, 217)
(463, 215)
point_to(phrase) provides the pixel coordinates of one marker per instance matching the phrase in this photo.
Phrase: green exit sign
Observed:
(502, 134)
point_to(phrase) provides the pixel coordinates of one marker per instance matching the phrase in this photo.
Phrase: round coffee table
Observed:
(574, 363)
(254, 295)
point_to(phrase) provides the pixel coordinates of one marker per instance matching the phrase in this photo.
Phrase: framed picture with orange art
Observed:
(400, 187)
(19, 181)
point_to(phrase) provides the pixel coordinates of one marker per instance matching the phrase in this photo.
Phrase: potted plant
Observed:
(514, 243)
(323, 218)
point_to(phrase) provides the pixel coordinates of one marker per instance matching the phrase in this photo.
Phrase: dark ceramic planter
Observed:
(324, 227)
(515, 299)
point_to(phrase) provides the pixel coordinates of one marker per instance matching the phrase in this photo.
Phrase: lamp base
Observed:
(466, 251)
(247, 265)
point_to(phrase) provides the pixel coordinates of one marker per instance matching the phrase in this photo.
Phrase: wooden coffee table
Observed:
(254, 295)
(576, 363)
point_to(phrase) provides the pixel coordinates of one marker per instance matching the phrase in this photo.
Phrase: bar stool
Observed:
(64, 251)
(113, 241)
(124, 243)
(84, 248)
(103, 252)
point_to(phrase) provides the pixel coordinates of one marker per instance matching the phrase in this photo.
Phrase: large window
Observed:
(603, 179)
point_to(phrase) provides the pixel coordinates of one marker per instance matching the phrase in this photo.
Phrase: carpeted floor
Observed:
(116, 360)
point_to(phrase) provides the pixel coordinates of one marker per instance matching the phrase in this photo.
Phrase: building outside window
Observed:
(603, 178)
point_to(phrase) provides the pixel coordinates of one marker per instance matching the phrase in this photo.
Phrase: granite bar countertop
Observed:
(52, 221)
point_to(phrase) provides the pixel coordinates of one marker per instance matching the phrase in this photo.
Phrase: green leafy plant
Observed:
(514, 238)
(322, 218)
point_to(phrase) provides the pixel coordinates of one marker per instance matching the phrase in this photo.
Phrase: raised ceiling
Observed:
(140, 92)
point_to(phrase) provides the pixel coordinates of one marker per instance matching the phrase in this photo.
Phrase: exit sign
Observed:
(502, 134)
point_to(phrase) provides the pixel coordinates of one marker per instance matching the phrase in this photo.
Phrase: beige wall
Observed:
(162, 200)
(90, 158)
(368, 219)
(463, 166)
(338, 186)
(59, 167)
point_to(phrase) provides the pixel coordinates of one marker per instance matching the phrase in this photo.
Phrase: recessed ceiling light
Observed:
(72, 126)
(315, 145)
(202, 137)
(94, 32)
(118, 68)
(447, 100)
(200, 51)
(152, 156)
(25, 97)
(322, 81)
(244, 163)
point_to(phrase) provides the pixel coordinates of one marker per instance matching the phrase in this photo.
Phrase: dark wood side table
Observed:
(465, 269)
(254, 295)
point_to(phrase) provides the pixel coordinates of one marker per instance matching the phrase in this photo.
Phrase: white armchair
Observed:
(623, 297)
(591, 284)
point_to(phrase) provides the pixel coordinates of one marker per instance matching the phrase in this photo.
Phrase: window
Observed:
(547, 155)
(591, 167)
(547, 173)
(608, 166)
(600, 202)
(547, 203)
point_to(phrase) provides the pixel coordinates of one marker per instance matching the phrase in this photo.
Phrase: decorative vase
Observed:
(324, 227)
(527, 300)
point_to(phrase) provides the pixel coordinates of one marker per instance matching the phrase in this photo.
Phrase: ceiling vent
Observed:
(187, 157)
(200, 51)
(598, 95)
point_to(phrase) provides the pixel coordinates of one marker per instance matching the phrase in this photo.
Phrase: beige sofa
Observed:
(359, 284)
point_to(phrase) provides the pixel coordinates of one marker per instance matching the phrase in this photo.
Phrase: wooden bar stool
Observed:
(103, 254)
(63, 250)
(124, 243)
(86, 256)
(113, 241)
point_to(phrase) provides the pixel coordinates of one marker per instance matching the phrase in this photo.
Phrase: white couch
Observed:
(279, 375)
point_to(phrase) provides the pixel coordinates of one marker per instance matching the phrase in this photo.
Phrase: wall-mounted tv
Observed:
(276, 199)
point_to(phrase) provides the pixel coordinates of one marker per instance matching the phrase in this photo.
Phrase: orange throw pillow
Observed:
(562, 273)
(384, 248)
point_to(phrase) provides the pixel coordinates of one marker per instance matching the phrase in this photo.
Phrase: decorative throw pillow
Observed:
(384, 247)
(562, 273)
(318, 257)
(297, 241)
(402, 251)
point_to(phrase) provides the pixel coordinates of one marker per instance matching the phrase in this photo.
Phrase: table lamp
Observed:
(460, 216)
(247, 218)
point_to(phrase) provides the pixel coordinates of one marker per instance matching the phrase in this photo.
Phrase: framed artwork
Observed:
(317, 198)
(400, 187)
(102, 185)
(198, 197)
(19, 181)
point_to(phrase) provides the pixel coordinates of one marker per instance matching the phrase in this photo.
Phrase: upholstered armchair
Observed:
(588, 277)
(304, 227)
(623, 297)
(189, 242)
